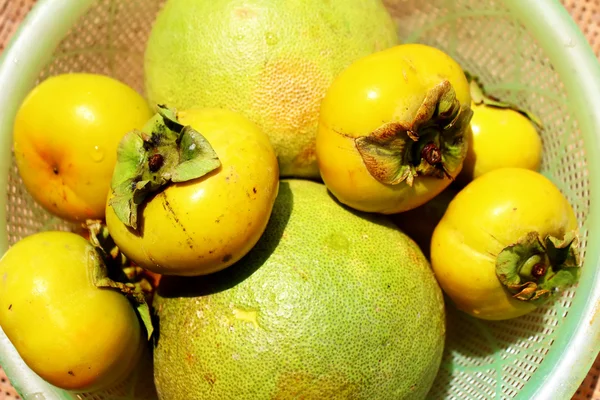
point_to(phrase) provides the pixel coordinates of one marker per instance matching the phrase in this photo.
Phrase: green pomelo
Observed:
(271, 60)
(330, 304)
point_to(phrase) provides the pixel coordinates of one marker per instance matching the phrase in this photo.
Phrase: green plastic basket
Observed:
(526, 51)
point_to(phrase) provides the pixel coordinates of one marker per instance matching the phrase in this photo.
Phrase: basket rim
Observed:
(30, 48)
(577, 340)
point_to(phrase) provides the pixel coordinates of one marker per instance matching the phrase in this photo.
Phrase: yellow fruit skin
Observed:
(66, 135)
(492, 212)
(205, 225)
(387, 86)
(71, 333)
(500, 138)
(270, 60)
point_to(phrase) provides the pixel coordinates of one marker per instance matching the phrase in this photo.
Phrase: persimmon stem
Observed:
(535, 267)
(432, 154)
(539, 270)
(155, 162)
(432, 144)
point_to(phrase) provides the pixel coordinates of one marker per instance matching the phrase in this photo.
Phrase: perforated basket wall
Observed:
(482, 359)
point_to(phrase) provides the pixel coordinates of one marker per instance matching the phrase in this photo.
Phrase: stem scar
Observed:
(432, 154)
(538, 270)
(155, 162)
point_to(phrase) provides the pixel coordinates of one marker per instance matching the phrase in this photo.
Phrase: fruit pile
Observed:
(286, 213)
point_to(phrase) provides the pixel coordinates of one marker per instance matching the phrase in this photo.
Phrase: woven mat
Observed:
(585, 12)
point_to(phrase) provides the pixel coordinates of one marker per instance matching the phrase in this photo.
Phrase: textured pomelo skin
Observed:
(330, 304)
(271, 60)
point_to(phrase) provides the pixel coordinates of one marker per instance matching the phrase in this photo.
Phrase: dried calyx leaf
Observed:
(479, 96)
(432, 144)
(164, 151)
(104, 243)
(110, 269)
(535, 268)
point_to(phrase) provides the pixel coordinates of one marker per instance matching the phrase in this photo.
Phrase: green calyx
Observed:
(432, 144)
(535, 268)
(479, 97)
(164, 151)
(110, 269)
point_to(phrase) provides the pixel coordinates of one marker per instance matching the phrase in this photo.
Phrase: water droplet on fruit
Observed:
(97, 154)
(272, 39)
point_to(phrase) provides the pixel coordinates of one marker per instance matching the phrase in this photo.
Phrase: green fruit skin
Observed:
(271, 60)
(330, 304)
